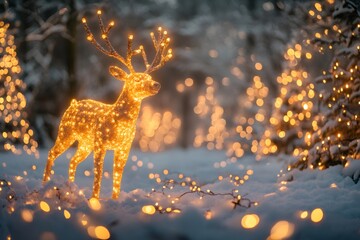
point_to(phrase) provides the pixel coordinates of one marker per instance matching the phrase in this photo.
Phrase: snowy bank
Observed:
(316, 205)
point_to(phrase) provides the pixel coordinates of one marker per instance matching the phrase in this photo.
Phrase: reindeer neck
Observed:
(127, 105)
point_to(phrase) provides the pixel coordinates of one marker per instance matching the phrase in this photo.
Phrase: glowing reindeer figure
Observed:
(99, 127)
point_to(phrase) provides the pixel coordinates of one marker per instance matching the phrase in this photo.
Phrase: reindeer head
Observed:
(139, 84)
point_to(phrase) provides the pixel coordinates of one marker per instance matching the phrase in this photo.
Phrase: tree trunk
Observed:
(186, 125)
(71, 48)
(26, 22)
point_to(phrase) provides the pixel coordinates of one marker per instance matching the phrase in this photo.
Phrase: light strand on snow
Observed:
(100, 127)
(50, 199)
(10, 195)
(194, 188)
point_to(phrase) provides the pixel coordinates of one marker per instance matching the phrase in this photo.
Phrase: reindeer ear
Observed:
(118, 73)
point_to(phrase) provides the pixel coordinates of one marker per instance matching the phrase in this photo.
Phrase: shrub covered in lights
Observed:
(336, 28)
(14, 128)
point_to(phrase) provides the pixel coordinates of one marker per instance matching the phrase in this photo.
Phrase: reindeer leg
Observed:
(60, 146)
(118, 169)
(99, 155)
(81, 154)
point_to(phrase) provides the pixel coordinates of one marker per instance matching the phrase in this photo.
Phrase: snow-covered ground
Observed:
(279, 211)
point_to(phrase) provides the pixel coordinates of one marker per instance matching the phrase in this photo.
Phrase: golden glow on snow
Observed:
(27, 215)
(282, 230)
(94, 204)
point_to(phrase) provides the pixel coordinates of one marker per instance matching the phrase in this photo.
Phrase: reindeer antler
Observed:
(110, 51)
(161, 43)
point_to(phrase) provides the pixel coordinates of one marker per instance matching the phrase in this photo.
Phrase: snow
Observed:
(330, 190)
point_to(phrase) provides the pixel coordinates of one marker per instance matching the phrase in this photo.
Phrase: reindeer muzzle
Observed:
(155, 87)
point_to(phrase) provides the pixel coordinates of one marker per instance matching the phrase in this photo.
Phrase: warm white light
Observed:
(317, 215)
(250, 221)
(44, 206)
(148, 209)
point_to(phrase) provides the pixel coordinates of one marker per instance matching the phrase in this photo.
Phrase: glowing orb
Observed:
(250, 221)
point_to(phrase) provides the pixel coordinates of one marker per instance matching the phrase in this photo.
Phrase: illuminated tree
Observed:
(336, 28)
(251, 114)
(291, 123)
(14, 128)
(156, 130)
(213, 133)
(251, 128)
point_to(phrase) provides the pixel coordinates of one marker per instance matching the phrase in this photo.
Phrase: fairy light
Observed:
(148, 209)
(44, 206)
(84, 220)
(250, 221)
(94, 204)
(101, 232)
(282, 230)
(100, 127)
(304, 214)
(15, 130)
(27, 215)
(67, 214)
(317, 215)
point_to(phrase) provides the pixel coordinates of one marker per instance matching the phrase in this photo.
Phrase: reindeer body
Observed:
(100, 124)
(98, 127)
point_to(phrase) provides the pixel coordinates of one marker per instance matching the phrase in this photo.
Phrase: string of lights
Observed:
(173, 191)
